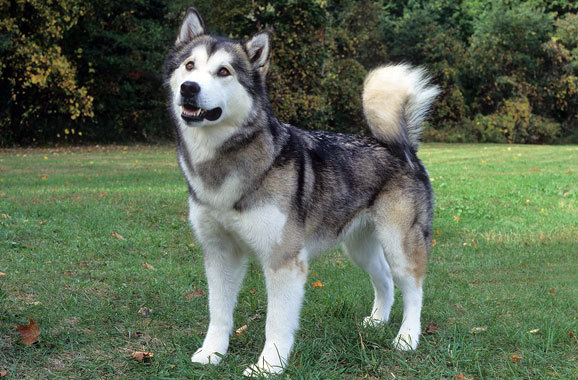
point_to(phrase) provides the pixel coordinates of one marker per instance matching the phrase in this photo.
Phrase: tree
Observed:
(38, 84)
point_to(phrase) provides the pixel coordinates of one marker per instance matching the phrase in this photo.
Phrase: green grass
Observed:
(505, 257)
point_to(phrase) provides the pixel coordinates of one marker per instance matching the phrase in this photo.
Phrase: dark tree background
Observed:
(85, 71)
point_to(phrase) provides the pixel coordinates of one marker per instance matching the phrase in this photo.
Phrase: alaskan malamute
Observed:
(263, 188)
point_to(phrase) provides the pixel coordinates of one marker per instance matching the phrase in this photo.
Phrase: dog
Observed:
(261, 188)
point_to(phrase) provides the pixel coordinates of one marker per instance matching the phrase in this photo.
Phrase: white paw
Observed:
(264, 370)
(370, 321)
(206, 357)
(405, 342)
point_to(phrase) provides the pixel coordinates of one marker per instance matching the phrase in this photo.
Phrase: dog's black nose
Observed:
(190, 89)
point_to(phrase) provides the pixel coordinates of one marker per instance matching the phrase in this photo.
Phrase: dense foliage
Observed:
(90, 71)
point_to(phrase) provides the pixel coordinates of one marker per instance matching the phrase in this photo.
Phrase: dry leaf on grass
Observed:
(432, 328)
(534, 331)
(117, 235)
(141, 356)
(515, 358)
(144, 311)
(2, 274)
(3, 372)
(30, 333)
(241, 330)
(480, 329)
(255, 317)
(194, 294)
(147, 265)
(317, 284)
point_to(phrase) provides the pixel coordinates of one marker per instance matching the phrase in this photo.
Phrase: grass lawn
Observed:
(95, 248)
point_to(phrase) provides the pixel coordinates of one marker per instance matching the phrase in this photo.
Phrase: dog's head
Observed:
(214, 80)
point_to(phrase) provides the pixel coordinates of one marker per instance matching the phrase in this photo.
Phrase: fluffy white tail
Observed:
(396, 99)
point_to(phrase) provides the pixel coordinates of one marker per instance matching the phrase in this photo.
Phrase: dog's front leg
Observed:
(285, 291)
(225, 269)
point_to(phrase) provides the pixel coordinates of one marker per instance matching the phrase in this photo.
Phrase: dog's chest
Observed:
(261, 228)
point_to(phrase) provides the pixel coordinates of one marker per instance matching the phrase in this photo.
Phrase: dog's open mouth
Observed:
(193, 113)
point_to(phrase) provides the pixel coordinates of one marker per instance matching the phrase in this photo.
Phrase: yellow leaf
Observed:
(141, 356)
(317, 284)
(116, 235)
(241, 330)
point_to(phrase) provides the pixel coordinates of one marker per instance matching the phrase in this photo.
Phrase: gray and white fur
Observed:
(283, 195)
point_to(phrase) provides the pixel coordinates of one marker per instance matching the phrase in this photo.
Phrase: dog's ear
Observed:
(259, 49)
(192, 26)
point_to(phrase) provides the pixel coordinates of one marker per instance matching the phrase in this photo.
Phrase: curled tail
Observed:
(396, 99)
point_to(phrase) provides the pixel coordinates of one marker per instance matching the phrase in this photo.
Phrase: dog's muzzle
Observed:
(191, 112)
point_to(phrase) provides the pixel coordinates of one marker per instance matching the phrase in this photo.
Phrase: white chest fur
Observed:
(260, 229)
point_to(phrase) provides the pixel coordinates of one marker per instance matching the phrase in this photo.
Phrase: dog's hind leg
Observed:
(406, 253)
(225, 268)
(366, 251)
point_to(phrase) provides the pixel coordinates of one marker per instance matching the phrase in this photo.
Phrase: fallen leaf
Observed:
(252, 291)
(478, 329)
(514, 358)
(102, 195)
(116, 235)
(317, 284)
(147, 265)
(457, 218)
(433, 242)
(2, 274)
(29, 333)
(144, 311)
(552, 291)
(432, 328)
(534, 331)
(241, 330)
(141, 356)
(460, 377)
(3, 372)
(255, 317)
(194, 294)
(571, 334)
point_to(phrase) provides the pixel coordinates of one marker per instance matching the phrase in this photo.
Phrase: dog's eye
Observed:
(190, 65)
(223, 72)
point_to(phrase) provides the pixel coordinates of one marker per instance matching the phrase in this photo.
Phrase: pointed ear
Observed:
(259, 49)
(192, 26)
